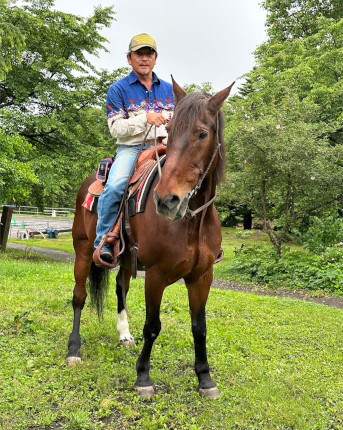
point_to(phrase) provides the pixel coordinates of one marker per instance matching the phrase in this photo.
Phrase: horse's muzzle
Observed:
(170, 206)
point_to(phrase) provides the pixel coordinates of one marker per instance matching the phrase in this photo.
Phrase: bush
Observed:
(296, 270)
(322, 233)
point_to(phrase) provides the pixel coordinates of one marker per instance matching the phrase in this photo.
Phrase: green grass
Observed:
(278, 363)
(62, 243)
(233, 239)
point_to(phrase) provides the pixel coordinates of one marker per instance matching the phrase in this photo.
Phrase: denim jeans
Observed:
(110, 198)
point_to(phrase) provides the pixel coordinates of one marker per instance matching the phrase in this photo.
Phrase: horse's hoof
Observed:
(73, 361)
(145, 392)
(127, 342)
(209, 393)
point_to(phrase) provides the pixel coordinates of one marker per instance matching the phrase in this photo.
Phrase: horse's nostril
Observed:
(171, 201)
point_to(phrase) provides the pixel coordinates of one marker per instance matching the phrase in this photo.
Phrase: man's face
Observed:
(142, 61)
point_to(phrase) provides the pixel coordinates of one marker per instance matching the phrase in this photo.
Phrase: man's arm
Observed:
(122, 126)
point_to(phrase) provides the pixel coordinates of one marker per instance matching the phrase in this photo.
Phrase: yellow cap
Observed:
(141, 41)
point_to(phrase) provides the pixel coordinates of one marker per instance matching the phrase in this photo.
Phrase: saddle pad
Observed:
(91, 203)
(137, 201)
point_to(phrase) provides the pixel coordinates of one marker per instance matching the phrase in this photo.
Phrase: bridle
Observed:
(194, 191)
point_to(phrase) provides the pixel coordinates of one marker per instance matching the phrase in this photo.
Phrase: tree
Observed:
(16, 177)
(285, 130)
(281, 164)
(52, 96)
(296, 19)
(12, 42)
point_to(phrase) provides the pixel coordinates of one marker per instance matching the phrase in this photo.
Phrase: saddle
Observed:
(121, 227)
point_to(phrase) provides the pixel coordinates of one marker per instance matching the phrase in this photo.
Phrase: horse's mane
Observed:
(188, 111)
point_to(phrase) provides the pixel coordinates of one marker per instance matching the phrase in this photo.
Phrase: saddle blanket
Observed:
(137, 200)
(137, 194)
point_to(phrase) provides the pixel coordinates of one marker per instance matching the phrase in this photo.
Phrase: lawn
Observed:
(232, 241)
(278, 363)
(63, 242)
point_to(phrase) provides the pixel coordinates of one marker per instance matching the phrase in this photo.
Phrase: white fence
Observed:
(33, 210)
(28, 219)
(26, 210)
(58, 211)
(20, 228)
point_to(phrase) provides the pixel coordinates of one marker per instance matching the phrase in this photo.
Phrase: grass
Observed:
(278, 363)
(233, 239)
(62, 243)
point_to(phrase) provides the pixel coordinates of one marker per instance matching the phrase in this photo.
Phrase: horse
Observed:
(178, 236)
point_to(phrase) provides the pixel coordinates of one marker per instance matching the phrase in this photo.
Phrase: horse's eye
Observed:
(203, 135)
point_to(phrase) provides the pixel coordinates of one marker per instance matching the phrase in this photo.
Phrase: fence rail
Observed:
(33, 210)
(22, 229)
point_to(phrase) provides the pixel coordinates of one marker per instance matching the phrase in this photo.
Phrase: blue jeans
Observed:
(110, 198)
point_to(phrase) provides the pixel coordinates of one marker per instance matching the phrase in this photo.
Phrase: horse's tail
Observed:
(98, 287)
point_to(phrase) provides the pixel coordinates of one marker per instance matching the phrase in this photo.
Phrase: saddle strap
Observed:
(133, 245)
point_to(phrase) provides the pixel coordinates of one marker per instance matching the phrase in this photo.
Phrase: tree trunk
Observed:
(247, 221)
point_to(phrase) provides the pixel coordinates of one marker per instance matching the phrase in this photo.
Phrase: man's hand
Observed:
(155, 119)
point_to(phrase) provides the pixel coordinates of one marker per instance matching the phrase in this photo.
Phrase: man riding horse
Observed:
(178, 234)
(134, 104)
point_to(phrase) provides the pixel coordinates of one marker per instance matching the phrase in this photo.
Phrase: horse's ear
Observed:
(216, 102)
(179, 93)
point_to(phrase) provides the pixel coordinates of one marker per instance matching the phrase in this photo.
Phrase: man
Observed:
(134, 104)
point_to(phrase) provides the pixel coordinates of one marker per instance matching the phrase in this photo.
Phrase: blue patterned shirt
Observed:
(128, 101)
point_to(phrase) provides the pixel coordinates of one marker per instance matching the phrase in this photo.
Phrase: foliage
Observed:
(53, 97)
(295, 270)
(295, 19)
(204, 87)
(265, 354)
(280, 165)
(285, 128)
(16, 174)
(11, 40)
(322, 233)
(311, 67)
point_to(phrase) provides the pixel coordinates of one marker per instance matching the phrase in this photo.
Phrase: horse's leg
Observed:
(82, 265)
(125, 338)
(152, 327)
(197, 294)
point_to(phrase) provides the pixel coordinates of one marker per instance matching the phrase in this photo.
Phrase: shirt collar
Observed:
(133, 78)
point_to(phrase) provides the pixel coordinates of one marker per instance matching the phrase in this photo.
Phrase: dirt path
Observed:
(51, 253)
(222, 284)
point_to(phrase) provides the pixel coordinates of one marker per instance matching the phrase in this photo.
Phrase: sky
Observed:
(197, 40)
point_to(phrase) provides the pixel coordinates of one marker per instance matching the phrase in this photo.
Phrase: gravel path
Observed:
(222, 284)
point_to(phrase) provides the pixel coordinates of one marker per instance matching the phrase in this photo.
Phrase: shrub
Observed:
(322, 233)
(296, 270)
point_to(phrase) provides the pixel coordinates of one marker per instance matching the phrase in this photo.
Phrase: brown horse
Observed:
(179, 235)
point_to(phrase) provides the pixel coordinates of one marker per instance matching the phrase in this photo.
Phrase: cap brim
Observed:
(142, 46)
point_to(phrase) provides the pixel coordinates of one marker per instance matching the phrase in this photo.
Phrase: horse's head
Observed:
(193, 150)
